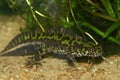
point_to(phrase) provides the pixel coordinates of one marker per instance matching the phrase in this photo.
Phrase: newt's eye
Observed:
(91, 50)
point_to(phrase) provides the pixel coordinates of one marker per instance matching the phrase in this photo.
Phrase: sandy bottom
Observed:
(14, 67)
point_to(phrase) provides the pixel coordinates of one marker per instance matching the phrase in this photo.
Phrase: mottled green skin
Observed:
(53, 41)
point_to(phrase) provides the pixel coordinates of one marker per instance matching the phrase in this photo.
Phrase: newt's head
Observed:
(88, 49)
(92, 50)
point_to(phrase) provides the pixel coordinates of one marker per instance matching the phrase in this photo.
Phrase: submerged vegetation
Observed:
(99, 18)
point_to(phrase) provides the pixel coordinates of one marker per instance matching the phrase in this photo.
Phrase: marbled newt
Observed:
(62, 42)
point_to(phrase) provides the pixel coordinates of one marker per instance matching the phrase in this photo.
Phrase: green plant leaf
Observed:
(108, 7)
(112, 28)
(93, 28)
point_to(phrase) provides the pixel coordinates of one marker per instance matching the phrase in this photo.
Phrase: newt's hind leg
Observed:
(35, 60)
